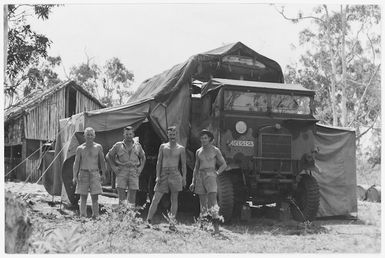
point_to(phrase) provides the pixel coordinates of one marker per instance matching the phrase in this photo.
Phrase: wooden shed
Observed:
(34, 122)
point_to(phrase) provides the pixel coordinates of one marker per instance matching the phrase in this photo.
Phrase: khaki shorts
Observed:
(89, 181)
(206, 181)
(128, 177)
(170, 181)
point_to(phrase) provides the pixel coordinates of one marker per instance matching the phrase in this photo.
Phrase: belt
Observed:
(131, 166)
(170, 169)
(207, 170)
(89, 170)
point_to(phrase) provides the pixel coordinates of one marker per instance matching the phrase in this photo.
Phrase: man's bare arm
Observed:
(220, 160)
(183, 160)
(76, 166)
(159, 162)
(196, 167)
(142, 158)
(110, 159)
(103, 165)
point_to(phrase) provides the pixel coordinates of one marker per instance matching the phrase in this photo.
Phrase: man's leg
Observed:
(154, 205)
(174, 203)
(212, 202)
(83, 205)
(95, 205)
(203, 203)
(131, 197)
(121, 194)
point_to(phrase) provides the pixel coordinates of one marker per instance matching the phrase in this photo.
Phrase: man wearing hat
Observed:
(204, 181)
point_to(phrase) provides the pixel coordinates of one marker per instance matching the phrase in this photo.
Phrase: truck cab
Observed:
(265, 131)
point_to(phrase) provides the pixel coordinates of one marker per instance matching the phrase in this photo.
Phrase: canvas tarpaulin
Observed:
(163, 99)
(108, 124)
(336, 162)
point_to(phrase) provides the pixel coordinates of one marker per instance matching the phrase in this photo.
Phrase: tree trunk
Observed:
(5, 38)
(343, 62)
(333, 97)
(18, 227)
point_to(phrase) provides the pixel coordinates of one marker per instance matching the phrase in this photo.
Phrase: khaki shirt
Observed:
(120, 152)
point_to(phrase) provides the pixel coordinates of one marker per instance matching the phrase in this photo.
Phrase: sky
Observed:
(151, 38)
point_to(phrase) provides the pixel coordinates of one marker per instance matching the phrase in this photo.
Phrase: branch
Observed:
(372, 47)
(296, 19)
(367, 130)
(363, 95)
(65, 72)
(88, 58)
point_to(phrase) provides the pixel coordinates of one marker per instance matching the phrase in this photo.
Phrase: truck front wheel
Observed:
(306, 199)
(225, 196)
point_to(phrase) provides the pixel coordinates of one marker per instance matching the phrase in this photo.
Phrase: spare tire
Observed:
(306, 199)
(225, 196)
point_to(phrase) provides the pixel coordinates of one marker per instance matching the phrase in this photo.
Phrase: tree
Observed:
(86, 74)
(25, 47)
(341, 43)
(117, 77)
(113, 80)
(342, 64)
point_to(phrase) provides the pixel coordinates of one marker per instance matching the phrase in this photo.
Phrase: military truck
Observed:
(265, 131)
(264, 128)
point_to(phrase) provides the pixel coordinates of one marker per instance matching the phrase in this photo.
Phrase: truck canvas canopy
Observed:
(166, 99)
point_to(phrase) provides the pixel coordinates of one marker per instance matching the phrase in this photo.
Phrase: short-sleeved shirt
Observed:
(122, 154)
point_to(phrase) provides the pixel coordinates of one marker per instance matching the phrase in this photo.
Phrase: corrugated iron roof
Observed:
(36, 98)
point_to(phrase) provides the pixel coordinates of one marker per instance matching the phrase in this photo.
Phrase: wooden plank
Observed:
(22, 172)
(67, 102)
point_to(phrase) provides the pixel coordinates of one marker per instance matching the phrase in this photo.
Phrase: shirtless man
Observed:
(168, 177)
(204, 181)
(89, 160)
(127, 160)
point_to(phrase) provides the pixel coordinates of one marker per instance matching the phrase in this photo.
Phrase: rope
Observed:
(22, 162)
(45, 171)
(36, 150)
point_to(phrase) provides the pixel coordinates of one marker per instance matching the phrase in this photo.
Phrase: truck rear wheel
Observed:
(225, 196)
(306, 198)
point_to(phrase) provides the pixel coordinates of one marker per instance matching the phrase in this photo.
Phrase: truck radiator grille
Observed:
(277, 149)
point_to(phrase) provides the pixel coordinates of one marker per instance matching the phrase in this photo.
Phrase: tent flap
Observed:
(336, 162)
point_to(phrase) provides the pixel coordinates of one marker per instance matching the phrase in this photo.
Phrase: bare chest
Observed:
(172, 153)
(90, 153)
(207, 156)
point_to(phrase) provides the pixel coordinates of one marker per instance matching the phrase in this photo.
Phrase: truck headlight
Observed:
(241, 127)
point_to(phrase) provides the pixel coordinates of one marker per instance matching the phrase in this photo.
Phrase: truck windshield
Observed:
(290, 104)
(245, 101)
(258, 102)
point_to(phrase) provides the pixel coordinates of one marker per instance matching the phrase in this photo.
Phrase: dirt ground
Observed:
(57, 229)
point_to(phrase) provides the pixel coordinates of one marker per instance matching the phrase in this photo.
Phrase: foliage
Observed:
(314, 69)
(86, 75)
(25, 51)
(113, 79)
(341, 62)
(60, 241)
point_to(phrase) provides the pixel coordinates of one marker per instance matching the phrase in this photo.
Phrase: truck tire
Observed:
(225, 196)
(240, 193)
(306, 198)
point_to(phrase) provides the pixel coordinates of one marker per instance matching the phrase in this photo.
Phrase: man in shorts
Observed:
(168, 176)
(127, 160)
(89, 160)
(204, 181)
